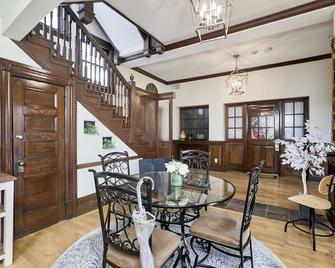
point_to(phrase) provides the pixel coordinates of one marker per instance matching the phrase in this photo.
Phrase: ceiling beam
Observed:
(281, 15)
(151, 44)
(251, 69)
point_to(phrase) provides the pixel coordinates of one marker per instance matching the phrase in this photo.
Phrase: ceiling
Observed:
(294, 37)
(296, 44)
(171, 20)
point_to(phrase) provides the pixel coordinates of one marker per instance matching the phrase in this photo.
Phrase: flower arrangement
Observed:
(177, 168)
(306, 153)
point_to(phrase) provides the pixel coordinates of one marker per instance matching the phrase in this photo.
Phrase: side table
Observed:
(312, 202)
(6, 217)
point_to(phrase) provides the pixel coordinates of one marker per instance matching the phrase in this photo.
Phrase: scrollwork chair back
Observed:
(198, 161)
(116, 204)
(116, 162)
(251, 197)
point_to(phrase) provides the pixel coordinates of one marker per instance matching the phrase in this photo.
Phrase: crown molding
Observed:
(251, 69)
(281, 15)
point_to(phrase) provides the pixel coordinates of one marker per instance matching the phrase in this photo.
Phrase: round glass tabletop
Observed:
(191, 194)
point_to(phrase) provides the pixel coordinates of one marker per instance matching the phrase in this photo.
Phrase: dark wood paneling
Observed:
(98, 163)
(43, 103)
(87, 203)
(235, 155)
(39, 191)
(216, 155)
(164, 149)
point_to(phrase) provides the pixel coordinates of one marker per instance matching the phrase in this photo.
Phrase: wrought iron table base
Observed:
(312, 223)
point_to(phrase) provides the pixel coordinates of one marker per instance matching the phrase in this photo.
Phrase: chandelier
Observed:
(210, 15)
(237, 80)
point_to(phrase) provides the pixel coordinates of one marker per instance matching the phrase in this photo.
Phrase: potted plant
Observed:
(307, 153)
(177, 170)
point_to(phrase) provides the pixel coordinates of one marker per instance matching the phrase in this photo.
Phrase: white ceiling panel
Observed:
(171, 20)
(305, 42)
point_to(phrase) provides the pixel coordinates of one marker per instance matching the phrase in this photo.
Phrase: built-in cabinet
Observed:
(250, 131)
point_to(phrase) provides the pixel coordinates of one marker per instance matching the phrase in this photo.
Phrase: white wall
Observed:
(90, 146)
(140, 79)
(313, 79)
(9, 50)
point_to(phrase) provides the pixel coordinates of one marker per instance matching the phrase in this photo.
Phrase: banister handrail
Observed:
(96, 44)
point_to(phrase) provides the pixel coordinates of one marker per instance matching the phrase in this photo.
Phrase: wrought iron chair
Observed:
(116, 196)
(116, 162)
(226, 228)
(198, 161)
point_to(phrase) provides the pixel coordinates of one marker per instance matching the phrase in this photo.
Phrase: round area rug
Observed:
(87, 253)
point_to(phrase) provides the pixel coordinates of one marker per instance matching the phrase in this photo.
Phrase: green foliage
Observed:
(107, 143)
(90, 128)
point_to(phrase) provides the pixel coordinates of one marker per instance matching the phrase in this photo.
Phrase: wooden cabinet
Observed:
(234, 155)
(216, 148)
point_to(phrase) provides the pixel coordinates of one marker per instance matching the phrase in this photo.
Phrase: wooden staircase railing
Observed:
(73, 42)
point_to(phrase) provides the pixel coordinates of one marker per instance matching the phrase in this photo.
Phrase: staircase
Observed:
(62, 44)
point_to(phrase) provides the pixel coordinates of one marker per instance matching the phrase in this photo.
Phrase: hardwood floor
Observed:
(271, 191)
(42, 248)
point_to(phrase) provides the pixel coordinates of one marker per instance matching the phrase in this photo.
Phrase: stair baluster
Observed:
(90, 61)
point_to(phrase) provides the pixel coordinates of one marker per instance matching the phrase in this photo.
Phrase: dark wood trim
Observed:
(141, 71)
(252, 69)
(71, 150)
(283, 14)
(86, 204)
(80, 2)
(11, 69)
(277, 16)
(98, 163)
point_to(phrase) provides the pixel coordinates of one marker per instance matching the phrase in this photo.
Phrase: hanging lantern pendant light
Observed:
(237, 80)
(210, 15)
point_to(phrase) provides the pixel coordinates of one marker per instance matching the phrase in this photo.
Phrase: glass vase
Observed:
(176, 180)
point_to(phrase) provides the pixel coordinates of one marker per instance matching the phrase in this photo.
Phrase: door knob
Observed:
(20, 166)
(19, 137)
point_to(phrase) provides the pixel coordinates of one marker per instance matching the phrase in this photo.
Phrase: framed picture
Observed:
(90, 128)
(107, 143)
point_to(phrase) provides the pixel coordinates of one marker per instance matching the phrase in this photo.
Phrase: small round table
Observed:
(179, 205)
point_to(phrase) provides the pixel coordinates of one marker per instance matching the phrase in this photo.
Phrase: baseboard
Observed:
(86, 204)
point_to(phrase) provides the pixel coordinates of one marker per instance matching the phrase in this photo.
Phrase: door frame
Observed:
(275, 105)
(283, 170)
(11, 69)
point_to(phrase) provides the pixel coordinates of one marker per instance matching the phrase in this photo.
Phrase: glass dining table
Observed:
(176, 207)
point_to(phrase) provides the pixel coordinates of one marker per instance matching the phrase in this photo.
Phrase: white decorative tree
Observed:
(306, 153)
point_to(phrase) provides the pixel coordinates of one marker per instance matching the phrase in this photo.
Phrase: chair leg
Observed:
(242, 258)
(178, 260)
(312, 213)
(104, 258)
(196, 254)
(251, 256)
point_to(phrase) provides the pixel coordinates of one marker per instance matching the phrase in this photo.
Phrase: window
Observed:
(294, 118)
(262, 127)
(194, 121)
(235, 122)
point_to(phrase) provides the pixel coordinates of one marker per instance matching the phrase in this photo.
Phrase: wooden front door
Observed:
(38, 140)
(263, 129)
